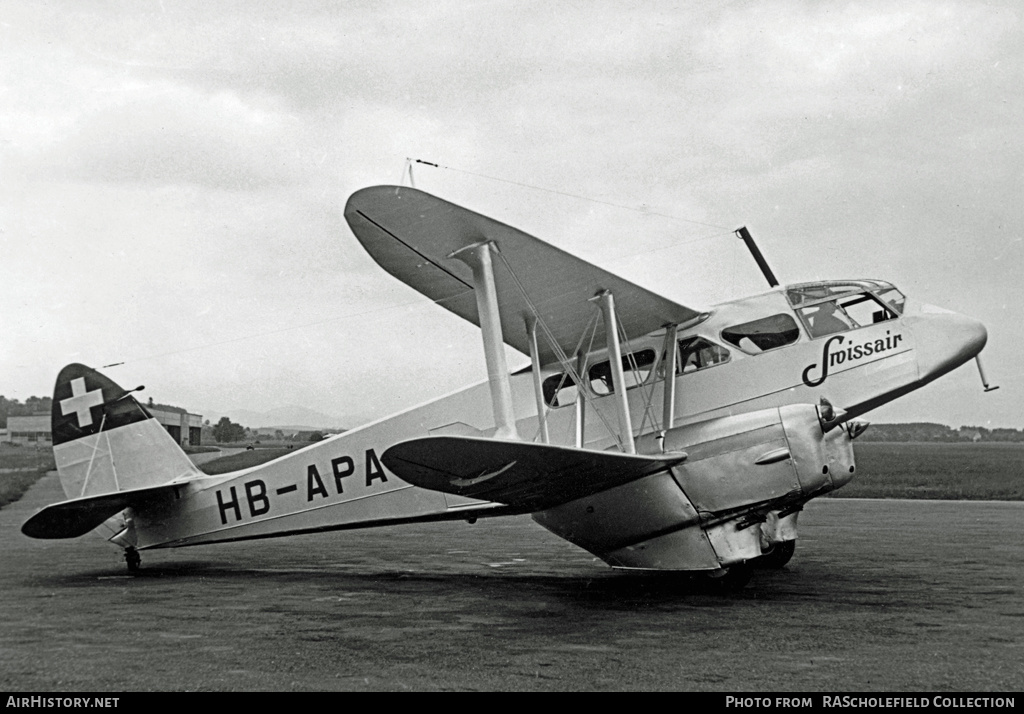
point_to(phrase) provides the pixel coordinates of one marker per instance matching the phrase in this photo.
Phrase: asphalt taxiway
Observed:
(881, 596)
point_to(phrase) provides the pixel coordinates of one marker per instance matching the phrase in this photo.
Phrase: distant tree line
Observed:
(226, 431)
(923, 431)
(32, 406)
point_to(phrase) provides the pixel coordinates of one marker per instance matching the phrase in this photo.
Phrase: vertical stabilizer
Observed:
(104, 441)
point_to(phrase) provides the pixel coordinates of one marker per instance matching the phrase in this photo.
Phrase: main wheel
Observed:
(780, 554)
(132, 559)
(730, 579)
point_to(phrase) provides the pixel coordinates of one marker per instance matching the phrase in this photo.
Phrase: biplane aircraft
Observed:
(655, 435)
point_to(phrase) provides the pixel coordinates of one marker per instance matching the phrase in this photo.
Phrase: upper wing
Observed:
(411, 234)
(521, 474)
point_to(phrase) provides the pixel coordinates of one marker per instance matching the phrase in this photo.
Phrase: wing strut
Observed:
(538, 386)
(671, 355)
(606, 302)
(581, 401)
(478, 257)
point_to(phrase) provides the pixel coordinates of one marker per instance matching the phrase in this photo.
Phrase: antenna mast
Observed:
(744, 235)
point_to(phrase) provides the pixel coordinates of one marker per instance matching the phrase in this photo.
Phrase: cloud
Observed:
(182, 166)
(175, 135)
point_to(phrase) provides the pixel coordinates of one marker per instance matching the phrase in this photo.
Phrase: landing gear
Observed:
(132, 559)
(731, 579)
(777, 557)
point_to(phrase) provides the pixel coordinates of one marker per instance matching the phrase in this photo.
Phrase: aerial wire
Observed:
(570, 195)
(407, 170)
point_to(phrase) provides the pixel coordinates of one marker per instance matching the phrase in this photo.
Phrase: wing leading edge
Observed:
(524, 475)
(411, 234)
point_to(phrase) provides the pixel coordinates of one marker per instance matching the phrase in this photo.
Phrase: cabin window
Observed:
(559, 390)
(636, 368)
(844, 313)
(697, 353)
(768, 333)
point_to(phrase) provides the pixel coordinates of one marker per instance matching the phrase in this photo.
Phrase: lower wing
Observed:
(521, 474)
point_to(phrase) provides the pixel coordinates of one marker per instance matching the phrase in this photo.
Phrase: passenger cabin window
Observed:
(636, 368)
(844, 313)
(696, 353)
(762, 335)
(559, 390)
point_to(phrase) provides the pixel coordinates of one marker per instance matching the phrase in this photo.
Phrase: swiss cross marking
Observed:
(81, 402)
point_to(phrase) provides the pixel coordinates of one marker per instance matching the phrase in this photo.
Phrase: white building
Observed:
(184, 427)
(30, 430)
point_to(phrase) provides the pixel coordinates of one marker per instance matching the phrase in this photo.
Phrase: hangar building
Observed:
(184, 427)
(34, 430)
(29, 430)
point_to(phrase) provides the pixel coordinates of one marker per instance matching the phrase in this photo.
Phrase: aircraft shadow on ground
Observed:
(607, 589)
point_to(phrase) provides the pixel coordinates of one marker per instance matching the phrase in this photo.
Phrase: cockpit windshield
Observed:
(892, 297)
(828, 308)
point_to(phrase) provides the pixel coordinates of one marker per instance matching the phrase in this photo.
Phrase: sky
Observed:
(173, 174)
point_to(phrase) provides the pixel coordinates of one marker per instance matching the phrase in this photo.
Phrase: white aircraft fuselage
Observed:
(341, 482)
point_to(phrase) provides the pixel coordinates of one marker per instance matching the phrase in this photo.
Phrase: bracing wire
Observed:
(563, 358)
(647, 386)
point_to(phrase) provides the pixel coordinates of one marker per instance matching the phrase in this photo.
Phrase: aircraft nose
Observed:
(945, 340)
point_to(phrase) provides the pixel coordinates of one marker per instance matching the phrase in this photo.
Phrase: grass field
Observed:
(243, 460)
(199, 449)
(984, 471)
(20, 467)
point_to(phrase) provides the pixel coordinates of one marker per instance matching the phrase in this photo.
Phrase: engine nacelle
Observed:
(702, 514)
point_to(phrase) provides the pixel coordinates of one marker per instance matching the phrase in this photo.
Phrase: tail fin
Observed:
(104, 441)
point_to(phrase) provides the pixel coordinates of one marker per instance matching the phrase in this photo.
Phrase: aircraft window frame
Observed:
(840, 320)
(630, 366)
(807, 294)
(557, 384)
(719, 354)
(773, 340)
(898, 305)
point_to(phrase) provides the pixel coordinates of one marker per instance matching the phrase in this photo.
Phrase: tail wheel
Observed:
(776, 558)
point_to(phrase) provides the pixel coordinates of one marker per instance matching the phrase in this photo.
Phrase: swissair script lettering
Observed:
(851, 353)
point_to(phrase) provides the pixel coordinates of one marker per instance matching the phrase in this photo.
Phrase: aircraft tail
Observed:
(105, 442)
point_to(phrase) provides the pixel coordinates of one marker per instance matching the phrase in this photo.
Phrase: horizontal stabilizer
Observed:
(522, 474)
(70, 519)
